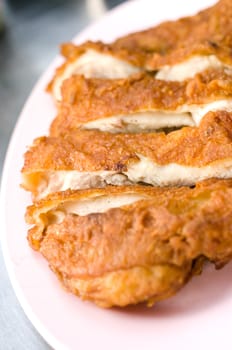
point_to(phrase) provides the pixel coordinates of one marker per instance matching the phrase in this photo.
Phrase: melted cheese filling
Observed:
(190, 67)
(187, 115)
(93, 64)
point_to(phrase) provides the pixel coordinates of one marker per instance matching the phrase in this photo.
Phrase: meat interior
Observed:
(92, 64)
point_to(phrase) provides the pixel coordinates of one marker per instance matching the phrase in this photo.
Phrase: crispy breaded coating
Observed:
(192, 154)
(153, 108)
(85, 150)
(92, 59)
(72, 52)
(86, 100)
(168, 230)
(207, 33)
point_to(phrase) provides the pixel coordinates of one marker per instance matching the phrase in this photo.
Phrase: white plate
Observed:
(199, 317)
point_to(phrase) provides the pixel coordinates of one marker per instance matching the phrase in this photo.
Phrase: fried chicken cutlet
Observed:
(179, 49)
(149, 255)
(151, 109)
(140, 103)
(173, 50)
(84, 158)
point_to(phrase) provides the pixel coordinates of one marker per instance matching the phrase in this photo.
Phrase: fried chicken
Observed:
(140, 103)
(148, 255)
(91, 59)
(175, 50)
(131, 189)
(83, 159)
(207, 37)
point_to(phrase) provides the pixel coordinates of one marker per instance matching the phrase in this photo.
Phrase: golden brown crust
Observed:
(84, 150)
(207, 33)
(85, 100)
(145, 251)
(151, 252)
(55, 198)
(123, 287)
(172, 228)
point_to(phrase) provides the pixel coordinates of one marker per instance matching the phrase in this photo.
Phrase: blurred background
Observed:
(30, 34)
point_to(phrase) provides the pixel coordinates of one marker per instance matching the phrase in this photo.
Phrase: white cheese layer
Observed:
(93, 64)
(190, 67)
(186, 115)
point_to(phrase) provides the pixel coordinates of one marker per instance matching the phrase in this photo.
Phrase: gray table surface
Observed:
(33, 31)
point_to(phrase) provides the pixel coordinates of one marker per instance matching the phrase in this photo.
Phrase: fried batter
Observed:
(155, 242)
(92, 60)
(200, 42)
(128, 101)
(128, 243)
(84, 159)
(207, 33)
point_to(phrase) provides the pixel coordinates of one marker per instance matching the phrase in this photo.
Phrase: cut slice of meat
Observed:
(177, 50)
(83, 159)
(198, 42)
(93, 60)
(141, 103)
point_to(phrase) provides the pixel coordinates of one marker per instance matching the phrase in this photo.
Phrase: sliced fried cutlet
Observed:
(140, 103)
(84, 158)
(125, 245)
(177, 50)
(180, 49)
(93, 60)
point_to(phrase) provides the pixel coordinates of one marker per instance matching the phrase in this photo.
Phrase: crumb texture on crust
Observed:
(188, 40)
(172, 227)
(85, 150)
(127, 287)
(87, 100)
(206, 33)
(91, 63)
(84, 159)
(129, 243)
